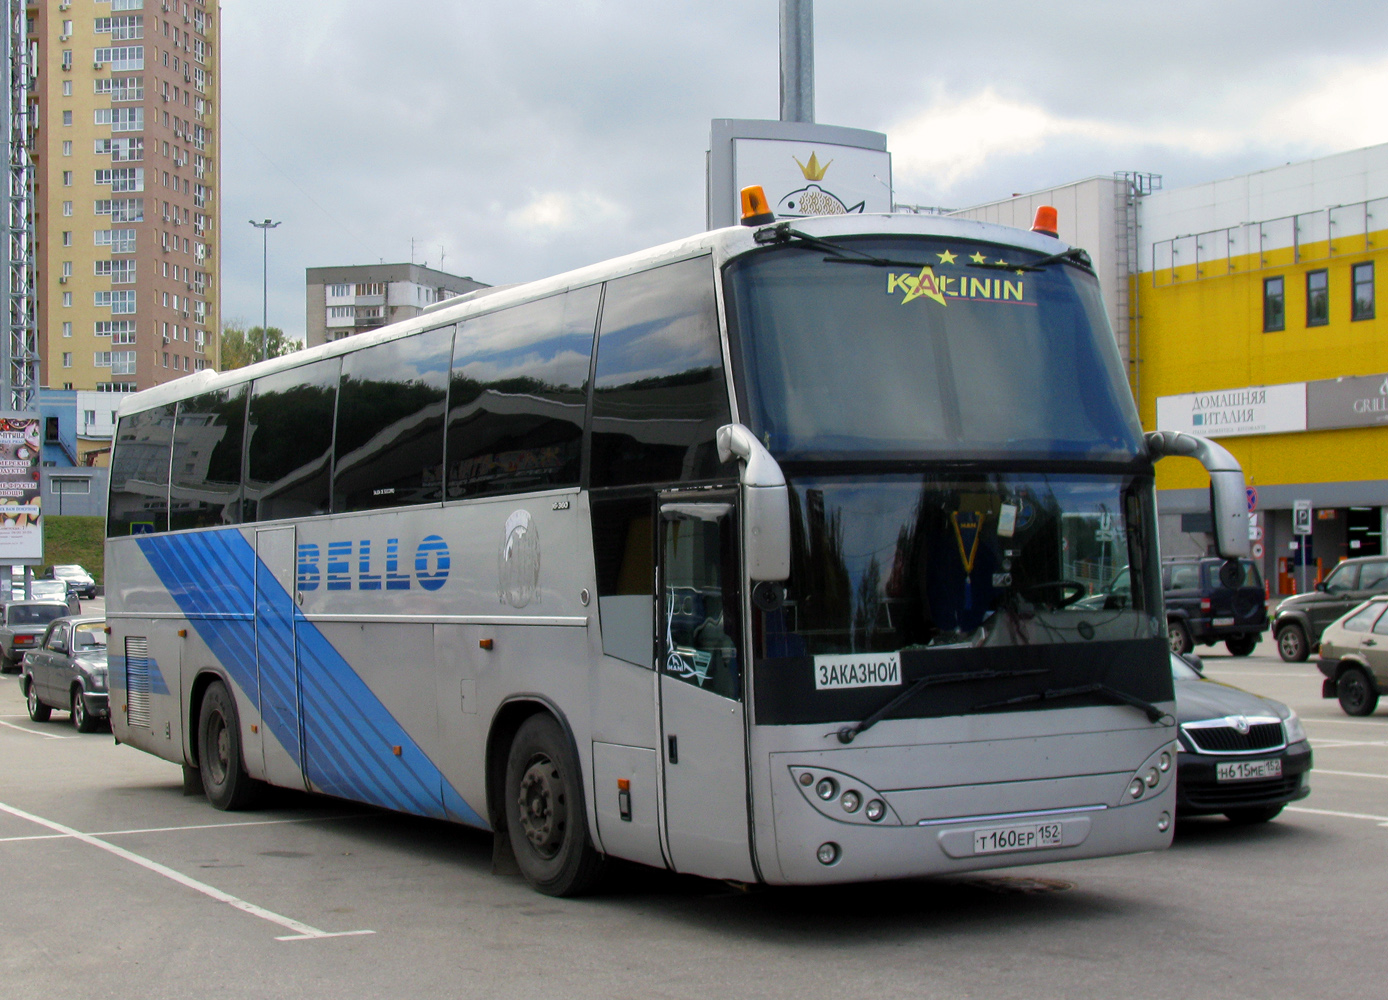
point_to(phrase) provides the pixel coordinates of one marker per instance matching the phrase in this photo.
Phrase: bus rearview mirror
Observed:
(1228, 499)
(765, 503)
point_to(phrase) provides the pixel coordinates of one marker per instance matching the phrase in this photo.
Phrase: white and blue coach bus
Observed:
(768, 555)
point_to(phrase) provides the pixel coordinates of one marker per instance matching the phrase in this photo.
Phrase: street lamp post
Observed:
(264, 228)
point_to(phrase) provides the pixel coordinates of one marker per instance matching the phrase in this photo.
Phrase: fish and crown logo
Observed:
(812, 199)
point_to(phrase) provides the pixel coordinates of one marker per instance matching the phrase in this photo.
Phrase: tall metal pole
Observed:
(264, 228)
(797, 60)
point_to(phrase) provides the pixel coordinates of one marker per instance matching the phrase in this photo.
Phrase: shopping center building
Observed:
(1246, 310)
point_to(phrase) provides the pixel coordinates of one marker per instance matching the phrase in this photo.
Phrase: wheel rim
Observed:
(1290, 643)
(1177, 640)
(219, 743)
(544, 813)
(1356, 692)
(79, 712)
(32, 698)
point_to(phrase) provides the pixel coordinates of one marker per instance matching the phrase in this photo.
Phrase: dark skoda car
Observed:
(1240, 754)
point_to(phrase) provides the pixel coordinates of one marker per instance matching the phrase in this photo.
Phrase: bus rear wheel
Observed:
(224, 777)
(545, 819)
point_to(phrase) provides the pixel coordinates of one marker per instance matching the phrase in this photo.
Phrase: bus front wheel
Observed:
(545, 818)
(224, 777)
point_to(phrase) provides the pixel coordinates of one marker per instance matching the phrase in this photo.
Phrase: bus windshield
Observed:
(943, 359)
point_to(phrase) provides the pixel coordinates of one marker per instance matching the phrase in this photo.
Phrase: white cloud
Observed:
(553, 212)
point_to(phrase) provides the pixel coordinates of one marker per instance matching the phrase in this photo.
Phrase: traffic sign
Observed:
(1251, 492)
(1301, 517)
(1257, 550)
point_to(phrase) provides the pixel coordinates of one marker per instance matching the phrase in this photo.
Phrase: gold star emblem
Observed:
(977, 258)
(999, 262)
(1021, 272)
(946, 257)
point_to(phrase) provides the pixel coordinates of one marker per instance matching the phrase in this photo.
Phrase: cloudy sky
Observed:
(507, 141)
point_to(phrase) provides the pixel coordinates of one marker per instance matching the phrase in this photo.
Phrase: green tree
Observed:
(242, 346)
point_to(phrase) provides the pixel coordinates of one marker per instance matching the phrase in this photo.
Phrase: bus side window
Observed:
(206, 487)
(289, 447)
(659, 394)
(624, 553)
(518, 394)
(390, 423)
(139, 499)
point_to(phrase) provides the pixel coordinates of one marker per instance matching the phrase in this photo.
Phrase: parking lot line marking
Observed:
(302, 931)
(1380, 820)
(1351, 774)
(1321, 744)
(35, 732)
(1343, 722)
(176, 829)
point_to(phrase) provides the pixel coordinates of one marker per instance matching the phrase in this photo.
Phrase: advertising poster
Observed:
(815, 178)
(21, 525)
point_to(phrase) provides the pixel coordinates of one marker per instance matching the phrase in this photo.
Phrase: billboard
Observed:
(804, 168)
(1267, 409)
(21, 507)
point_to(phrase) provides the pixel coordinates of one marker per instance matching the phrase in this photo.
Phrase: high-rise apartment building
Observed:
(125, 190)
(355, 298)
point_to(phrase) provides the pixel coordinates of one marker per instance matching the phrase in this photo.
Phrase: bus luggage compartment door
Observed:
(275, 658)
(702, 719)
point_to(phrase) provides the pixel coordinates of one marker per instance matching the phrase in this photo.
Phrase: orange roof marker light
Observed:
(1046, 221)
(755, 210)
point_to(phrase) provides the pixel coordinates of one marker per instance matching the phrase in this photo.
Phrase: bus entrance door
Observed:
(276, 663)
(701, 689)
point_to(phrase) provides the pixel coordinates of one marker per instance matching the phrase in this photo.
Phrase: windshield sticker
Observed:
(1007, 520)
(857, 670)
(968, 287)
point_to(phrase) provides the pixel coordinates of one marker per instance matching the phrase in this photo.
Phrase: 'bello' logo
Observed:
(431, 564)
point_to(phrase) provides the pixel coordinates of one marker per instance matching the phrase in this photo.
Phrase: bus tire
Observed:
(224, 777)
(545, 817)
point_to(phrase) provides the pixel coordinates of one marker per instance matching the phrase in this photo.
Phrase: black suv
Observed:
(1299, 620)
(1199, 608)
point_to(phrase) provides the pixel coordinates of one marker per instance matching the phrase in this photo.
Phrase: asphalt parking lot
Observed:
(112, 883)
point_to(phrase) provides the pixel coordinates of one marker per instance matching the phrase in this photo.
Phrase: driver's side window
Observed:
(1343, 580)
(57, 639)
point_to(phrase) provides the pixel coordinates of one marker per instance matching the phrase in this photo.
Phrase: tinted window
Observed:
(659, 393)
(1344, 578)
(1373, 576)
(942, 357)
(1184, 576)
(34, 614)
(139, 499)
(289, 447)
(206, 488)
(390, 423)
(516, 400)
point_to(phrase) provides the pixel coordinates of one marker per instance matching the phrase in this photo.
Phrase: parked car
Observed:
(1299, 620)
(1354, 657)
(1200, 608)
(78, 577)
(48, 590)
(23, 625)
(1240, 754)
(68, 672)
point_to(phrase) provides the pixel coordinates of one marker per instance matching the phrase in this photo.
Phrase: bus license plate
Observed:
(1031, 837)
(1244, 770)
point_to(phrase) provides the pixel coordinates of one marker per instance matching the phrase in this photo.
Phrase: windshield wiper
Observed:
(848, 733)
(1076, 254)
(783, 233)
(1153, 712)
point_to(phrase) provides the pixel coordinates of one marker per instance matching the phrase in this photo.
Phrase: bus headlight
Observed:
(842, 797)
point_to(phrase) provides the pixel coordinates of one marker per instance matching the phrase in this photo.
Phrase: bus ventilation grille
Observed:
(137, 680)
